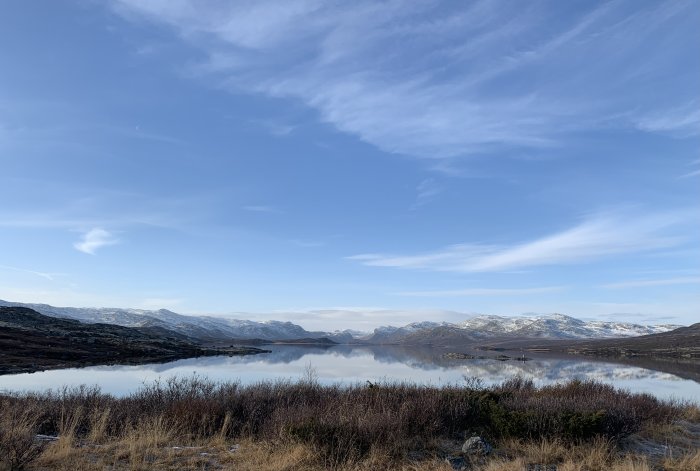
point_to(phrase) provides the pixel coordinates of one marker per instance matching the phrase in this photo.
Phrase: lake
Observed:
(350, 364)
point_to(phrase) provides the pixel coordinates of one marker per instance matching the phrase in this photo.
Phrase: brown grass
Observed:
(691, 413)
(194, 423)
(686, 462)
(17, 430)
(285, 455)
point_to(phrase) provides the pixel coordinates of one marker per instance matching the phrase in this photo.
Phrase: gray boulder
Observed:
(476, 446)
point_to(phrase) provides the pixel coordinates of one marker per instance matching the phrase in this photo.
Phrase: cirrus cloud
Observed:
(598, 236)
(438, 81)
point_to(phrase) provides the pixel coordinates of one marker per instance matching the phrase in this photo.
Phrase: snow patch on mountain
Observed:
(555, 326)
(552, 326)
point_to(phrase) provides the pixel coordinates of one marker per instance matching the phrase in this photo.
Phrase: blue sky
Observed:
(350, 164)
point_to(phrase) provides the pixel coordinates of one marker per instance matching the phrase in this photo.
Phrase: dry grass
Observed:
(284, 455)
(99, 423)
(691, 413)
(17, 430)
(593, 461)
(194, 424)
(686, 462)
(248, 456)
(596, 454)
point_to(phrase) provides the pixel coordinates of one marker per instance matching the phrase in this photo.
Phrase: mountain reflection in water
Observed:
(357, 364)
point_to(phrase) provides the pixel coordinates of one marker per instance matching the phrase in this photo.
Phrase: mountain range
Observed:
(553, 326)
(30, 341)
(211, 328)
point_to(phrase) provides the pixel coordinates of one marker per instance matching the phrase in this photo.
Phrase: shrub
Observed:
(18, 446)
(341, 423)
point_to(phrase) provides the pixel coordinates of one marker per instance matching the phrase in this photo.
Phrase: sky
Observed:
(353, 164)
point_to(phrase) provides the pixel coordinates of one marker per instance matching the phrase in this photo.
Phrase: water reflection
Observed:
(348, 364)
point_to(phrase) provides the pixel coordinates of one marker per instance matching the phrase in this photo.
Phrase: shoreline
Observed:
(32, 367)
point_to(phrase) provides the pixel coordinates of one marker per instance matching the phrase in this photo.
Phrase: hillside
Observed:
(30, 341)
(198, 328)
(479, 328)
(217, 330)
(683, 342)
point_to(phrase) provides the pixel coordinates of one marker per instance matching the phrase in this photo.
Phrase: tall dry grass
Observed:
(17, 436)
(575, 425)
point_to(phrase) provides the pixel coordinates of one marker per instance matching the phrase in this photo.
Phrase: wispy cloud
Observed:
(161, 303)
(426, 191)
(682, 121)
(420, 79)
(482, 292)
(688, 280)
(307, 243)
(693, 173)
(95, 239)
(86, 207)
(598, 236)
(276, 128)
(259, 209)
(48, 276)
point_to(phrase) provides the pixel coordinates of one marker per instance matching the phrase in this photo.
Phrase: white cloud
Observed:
(48, 276)
(482, 292)
(259, 209)
(426, 191)
(85, 207)
(683, 121)
(599, 236)
(65, 296)
(160, 303)
(425, 80)
(693, 173)
(95, 239)
(688, 280)
(276, 128)
(307, 243)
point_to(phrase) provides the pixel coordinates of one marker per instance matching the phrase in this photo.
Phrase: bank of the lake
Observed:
(350, 365)
(199, 424)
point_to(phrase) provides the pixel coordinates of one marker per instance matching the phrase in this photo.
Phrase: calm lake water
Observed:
(345, 364)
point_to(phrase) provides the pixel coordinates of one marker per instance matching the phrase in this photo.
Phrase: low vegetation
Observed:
(194, 423)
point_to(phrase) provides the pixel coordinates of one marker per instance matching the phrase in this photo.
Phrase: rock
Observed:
(476, 446)
(458, 356)
(457, 462)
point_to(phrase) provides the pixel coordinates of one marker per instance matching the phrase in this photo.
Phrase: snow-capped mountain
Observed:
(201, 327)
(391, 334)
(554, 326)
(557, 326)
